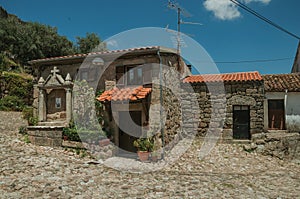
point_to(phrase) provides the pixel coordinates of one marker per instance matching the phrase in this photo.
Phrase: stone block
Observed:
(227, 134)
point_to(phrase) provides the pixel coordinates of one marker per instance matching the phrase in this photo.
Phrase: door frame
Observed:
(240, 108)
(282, 126)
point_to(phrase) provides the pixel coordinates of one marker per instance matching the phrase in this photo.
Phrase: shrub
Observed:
(27, 114)
(11, 103)
(23, 130)
(18, 89)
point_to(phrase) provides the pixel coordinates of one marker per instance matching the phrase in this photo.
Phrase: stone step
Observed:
(56, 123)
(277, 131)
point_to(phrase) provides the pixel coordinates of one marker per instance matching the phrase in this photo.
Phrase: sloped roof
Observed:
(281, 82)
(124, 94)
(226, 77)
(82, 56)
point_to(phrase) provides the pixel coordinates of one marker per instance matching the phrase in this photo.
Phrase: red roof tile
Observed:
(281, 82)
(229, 77)
(123, 94)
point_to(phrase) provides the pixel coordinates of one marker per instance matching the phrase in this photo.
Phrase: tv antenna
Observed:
(180, 11)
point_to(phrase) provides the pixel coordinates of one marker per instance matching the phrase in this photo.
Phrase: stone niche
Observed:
(54, 109)
(55, 98)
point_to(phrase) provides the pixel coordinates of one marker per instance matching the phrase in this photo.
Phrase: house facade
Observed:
(149, 92)
(133, 91)
(282, 105)
(230, 103)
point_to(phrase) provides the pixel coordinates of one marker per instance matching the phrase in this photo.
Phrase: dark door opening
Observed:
(129, 129)
(241, 122)
(276, 114)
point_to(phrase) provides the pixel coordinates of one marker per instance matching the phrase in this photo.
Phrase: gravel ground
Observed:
(28, 171)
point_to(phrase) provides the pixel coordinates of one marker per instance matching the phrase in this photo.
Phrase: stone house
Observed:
(137, 102)
(132, 87)
(282, 105)
(232, 101)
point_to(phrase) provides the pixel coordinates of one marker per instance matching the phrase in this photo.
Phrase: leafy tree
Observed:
(90, 43)
(26, 41)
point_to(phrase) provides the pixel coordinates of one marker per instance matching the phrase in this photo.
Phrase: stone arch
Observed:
(242, 100)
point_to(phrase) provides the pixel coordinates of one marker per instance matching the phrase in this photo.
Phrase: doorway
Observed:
(241, 122)
(129, 129)
(276, 114)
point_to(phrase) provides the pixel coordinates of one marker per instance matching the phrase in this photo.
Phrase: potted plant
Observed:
(144, 146)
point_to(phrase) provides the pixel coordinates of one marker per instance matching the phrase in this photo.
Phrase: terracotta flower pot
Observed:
(143, 155)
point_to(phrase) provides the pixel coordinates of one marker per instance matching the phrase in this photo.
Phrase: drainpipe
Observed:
(162, 130)
(285, 105)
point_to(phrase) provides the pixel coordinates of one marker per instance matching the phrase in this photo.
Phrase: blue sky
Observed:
(228, 34)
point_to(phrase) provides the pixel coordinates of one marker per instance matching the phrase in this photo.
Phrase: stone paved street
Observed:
(28, 171)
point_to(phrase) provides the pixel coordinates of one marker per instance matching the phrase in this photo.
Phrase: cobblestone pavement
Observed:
(28, 171)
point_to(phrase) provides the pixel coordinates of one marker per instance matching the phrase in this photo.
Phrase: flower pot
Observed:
(143, 155)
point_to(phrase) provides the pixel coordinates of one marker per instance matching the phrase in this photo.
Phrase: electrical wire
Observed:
(247, 61)
(243, 6)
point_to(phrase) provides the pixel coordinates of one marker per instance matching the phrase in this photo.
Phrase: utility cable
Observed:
(243, 6)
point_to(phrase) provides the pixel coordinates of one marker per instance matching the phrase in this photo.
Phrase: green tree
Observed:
(90, 43)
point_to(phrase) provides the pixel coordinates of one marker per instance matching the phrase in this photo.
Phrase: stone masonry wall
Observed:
(216, 103)
(171, 106)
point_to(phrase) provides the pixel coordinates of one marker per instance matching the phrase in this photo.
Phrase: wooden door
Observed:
(241, 122)
(276, 114)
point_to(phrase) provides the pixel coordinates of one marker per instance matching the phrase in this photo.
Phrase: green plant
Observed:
(71, 132)
(11, 103)
(144, 144)
(26, 139)
(33, 121)
(27, 114)
(23, 130)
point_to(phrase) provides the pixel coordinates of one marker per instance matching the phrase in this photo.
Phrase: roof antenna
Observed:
(180, 11)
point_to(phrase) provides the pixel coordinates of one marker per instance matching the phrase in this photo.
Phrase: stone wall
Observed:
(45, 136)
(216, 101)
(166, 118)
(280, 145)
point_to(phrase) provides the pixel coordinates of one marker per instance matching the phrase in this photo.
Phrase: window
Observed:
(240, 108)
(134, 76)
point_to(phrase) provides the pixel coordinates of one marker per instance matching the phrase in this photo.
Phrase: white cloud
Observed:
(225, 9)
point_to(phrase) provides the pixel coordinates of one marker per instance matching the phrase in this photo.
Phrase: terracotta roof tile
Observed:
(281, 82)
(228, 77)
(123, 94)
